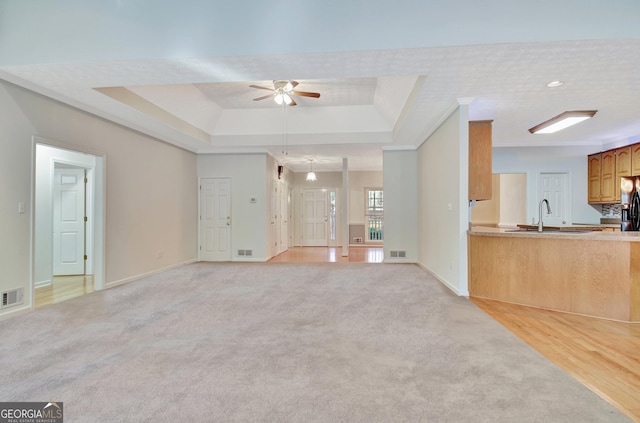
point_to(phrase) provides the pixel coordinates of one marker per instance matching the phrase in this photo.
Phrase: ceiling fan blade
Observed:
(263, 97)
(262, 88)
(294, 83)
(306, 94)
(293, 103)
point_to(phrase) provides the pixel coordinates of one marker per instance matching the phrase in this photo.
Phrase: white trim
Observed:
(147, 274)
(99, 211)
(10, 313)
(444, 281)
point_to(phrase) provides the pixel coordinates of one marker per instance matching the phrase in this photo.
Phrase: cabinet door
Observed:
(623, 167)
(635, 159)
(594, 178)
(607, 180)
(480, 167)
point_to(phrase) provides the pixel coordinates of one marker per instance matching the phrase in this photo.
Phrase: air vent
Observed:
(245, 253)
(402, 254)
(397, 254)
(393, 254)
(357, 240)
(11, 298)
(241, 252)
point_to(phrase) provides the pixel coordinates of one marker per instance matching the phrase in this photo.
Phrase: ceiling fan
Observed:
(283, 91)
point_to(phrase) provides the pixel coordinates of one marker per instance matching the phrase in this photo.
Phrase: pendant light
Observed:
(311, 175)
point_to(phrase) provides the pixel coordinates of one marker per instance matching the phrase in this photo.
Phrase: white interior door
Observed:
(68, 221)
(314, 218)
(275, 225)
(553, 187)
(215, 219)
(284, 213)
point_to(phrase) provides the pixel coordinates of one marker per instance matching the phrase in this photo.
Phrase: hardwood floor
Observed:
(330, 255)
(603, 355)
(63, 288)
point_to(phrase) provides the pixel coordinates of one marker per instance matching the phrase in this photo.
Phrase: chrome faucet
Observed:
(544, 200)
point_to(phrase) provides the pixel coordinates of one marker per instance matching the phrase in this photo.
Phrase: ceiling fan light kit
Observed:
(283, 91)
(562, 121)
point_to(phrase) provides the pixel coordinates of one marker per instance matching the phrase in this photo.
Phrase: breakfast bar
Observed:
(593, 273)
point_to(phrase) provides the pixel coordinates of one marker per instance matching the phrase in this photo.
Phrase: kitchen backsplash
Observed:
(611, 210)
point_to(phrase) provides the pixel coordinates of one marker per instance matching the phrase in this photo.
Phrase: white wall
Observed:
(151, 190)
(15, 187)
(401, 204)
(534, 161)
(248, 180)
(443, 213)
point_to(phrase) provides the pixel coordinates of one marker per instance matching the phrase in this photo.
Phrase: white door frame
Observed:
(325, 191)
(566, 206)
(96, 176)
(229, 220)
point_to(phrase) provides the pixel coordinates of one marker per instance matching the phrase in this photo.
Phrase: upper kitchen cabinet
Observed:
(480, 164)
(605, 170)
(623, 168)
(595, 178)
(602, 168)
(635, 159)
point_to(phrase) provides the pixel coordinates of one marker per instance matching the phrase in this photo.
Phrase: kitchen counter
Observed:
(584, 232)
(589, 273)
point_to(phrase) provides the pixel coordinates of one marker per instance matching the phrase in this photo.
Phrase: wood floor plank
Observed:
(63, 288)
(603, 355)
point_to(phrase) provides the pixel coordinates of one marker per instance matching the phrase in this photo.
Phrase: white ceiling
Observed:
(381, 87)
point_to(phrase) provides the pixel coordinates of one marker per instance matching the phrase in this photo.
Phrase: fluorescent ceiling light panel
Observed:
(562, 121)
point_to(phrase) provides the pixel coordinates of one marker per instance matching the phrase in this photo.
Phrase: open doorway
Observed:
(68, 223)
(508, 204)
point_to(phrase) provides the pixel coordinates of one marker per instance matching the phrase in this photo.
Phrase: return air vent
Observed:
(11, 298)
(245, 253)
(357, 240)
(398, 254)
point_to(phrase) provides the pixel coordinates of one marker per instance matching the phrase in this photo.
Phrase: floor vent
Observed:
(245, 253)
(357, 240)
(11, 298)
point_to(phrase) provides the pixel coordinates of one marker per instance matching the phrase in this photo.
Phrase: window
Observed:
(374, 213)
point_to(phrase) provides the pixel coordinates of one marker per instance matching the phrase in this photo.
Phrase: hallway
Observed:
(330, 255)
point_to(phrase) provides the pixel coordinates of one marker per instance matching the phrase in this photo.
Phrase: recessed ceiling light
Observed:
(553, 84)
(562, 121)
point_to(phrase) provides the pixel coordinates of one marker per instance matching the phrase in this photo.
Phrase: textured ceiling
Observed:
(371, 99)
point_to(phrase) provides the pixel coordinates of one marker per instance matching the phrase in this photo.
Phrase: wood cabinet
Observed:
(635, 159)
(605, 170)
(623, 168)
(480, 164)
(595, 178)
(607, 175)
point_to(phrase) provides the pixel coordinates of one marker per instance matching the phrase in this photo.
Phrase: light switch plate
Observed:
(21, 208)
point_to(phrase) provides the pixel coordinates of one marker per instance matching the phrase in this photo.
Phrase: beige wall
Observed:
(443, 215)
(151, 189)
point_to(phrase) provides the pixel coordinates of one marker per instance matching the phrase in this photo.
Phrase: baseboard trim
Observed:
(40, 284)
(16, 312)
(443, 281)
(109, 285)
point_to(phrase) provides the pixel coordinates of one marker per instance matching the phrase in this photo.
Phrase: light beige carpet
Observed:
(271, 342)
